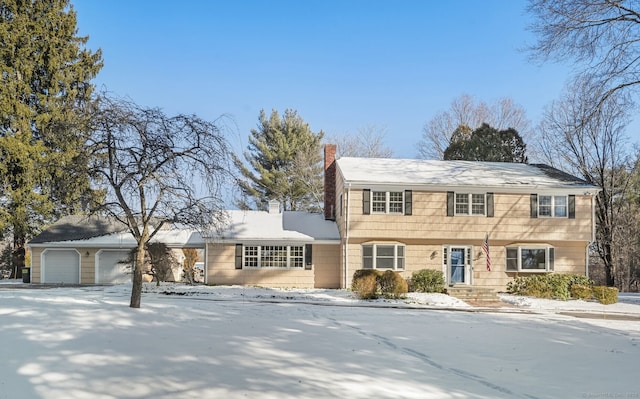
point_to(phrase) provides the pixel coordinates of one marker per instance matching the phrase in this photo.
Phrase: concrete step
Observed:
(473, 294)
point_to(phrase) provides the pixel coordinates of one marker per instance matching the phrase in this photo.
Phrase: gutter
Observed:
(346, 243)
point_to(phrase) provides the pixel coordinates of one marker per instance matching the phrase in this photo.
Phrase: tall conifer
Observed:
(45, 83)
(284, 164)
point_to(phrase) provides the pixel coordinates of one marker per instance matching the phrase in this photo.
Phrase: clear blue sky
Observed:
(342, 65)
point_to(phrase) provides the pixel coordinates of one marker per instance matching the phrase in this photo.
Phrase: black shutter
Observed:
(366, 202)
(534, 206)
(238, 256)
(308, 258)
(489, 205)
(450, 203)
(572, 207)
(407, 202)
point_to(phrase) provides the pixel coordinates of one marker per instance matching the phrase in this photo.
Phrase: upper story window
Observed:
(383, 256)
(470, 204)
(530, 259)
(387, 202)
(553, 206)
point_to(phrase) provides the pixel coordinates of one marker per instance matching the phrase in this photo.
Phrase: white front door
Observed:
(457, 264)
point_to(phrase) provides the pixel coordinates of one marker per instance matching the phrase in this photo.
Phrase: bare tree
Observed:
(367, 142)
(589, 141)
(157, 170)
(466, 112)
(602, 37)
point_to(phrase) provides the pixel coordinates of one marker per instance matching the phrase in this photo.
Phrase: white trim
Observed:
(520, 247)
(468, 265)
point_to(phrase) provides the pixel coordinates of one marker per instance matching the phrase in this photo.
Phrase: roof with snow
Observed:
(444, 174)
(277, 227)
(245, 226)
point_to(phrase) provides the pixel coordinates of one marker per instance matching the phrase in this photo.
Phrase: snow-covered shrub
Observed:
(605, 295)
(365, 283)
(392, 284)
(427, 280)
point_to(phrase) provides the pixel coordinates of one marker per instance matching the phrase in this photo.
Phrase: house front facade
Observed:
(481, 223)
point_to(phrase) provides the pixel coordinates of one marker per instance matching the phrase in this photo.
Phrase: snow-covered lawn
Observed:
(234, 342)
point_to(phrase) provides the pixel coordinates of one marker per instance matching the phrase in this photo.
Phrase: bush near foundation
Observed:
(392, 284)
(580, 291)
(552, 286)
(427, 280)
(605, 295)
(365, 283)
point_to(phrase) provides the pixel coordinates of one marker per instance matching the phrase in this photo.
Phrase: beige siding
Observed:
(221, 271)
(570, 257)
(326, 266)
(87, 264)
(36, 275)
(512, 221)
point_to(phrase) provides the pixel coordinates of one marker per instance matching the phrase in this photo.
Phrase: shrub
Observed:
(427, 280)
(392, 284)
(555, 285)
(365, 283)
(605, 295)
(581, 291)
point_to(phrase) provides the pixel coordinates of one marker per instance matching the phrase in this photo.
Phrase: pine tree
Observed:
(284, 160)
(45, 74)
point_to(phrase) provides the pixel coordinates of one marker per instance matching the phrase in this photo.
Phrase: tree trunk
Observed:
(136, 289)
(18, 254)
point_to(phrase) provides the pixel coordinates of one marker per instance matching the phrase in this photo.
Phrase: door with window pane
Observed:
(457, 265)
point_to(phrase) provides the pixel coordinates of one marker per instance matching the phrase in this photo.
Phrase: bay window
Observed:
(383, 256)
(530, 259)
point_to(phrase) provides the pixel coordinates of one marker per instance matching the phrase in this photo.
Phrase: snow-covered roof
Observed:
(174, 238)
(277, 226)
(445, 174)
(245, 226)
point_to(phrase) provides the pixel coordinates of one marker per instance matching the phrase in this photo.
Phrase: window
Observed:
(470, 204)
(530, 259)
(552, 206)
(383, 256)
(274, 256)
(387, 201)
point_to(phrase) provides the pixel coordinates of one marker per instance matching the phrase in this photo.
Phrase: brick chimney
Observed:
(329, 181)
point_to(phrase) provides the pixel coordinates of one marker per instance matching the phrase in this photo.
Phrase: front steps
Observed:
(473, 294)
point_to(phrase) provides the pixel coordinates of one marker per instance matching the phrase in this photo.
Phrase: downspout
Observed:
(206, 262)
(346, 234)
(593, 234)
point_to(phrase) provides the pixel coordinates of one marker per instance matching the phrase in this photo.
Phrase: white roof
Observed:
(263, 226)
(444, 174)
(174, 238)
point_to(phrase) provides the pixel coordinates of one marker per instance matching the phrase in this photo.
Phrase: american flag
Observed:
(485, 248)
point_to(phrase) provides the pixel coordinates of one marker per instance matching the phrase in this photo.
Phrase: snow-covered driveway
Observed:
(73, 343)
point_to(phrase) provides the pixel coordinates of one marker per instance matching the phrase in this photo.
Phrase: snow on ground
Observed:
(244, 342)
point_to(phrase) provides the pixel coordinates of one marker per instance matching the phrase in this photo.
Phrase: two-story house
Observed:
(386, 214)
(407, 215)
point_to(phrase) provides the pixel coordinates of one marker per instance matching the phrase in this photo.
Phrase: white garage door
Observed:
(111, 270)
(61, 266)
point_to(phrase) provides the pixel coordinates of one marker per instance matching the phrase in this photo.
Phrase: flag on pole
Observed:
(485, 248)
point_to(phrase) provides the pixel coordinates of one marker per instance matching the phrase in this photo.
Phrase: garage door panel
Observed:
(61, 266)
(112, 268)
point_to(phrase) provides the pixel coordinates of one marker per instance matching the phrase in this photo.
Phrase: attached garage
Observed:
(112, 267)
(60, 266)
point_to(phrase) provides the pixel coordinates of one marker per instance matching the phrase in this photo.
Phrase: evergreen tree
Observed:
(45, 74)
(285, 164)
(486, 144)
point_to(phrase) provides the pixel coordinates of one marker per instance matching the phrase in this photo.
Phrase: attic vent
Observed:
(274, 207)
